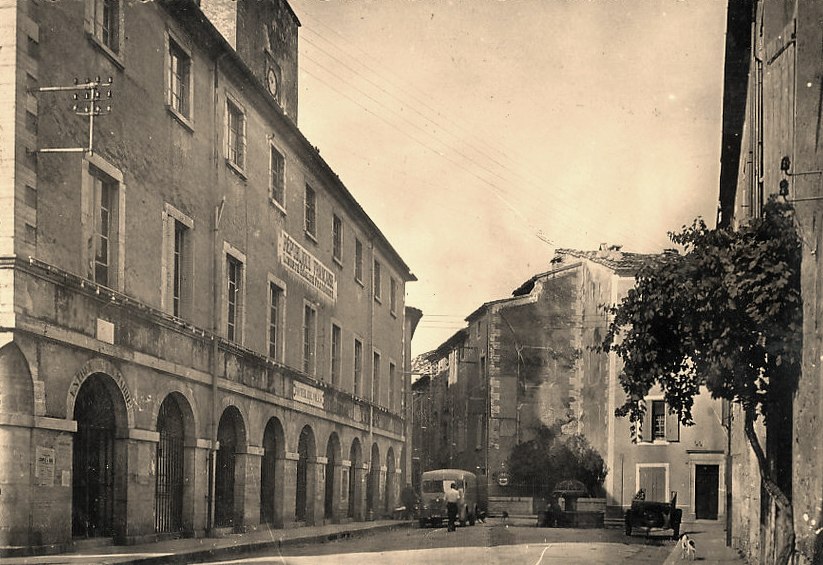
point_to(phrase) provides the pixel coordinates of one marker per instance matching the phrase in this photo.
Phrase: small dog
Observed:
(688, 549)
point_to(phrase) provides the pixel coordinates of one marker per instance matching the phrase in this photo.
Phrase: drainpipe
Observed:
(370, 478)
(218, 213)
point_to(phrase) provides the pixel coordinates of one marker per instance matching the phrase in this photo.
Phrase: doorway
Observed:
(706, 489)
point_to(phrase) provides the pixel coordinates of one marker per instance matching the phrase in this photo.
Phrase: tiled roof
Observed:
(621, 262)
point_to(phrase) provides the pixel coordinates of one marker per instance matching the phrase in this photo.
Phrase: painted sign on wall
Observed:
(298, 260)
(307, 394)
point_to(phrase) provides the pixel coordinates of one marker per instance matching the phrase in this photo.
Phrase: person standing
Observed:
(452, 497)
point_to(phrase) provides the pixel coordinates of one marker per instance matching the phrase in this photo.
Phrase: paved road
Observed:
(483, 544)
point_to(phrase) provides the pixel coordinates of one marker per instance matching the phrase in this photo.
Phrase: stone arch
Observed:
(105, 367)
(331, 494)
(174, 462)
(16, 381)
(230, 471)
(306, 485)
(390, 494)
(100, 408)
(355, 498)
(272, 471)
(186, 401)
(373, 482)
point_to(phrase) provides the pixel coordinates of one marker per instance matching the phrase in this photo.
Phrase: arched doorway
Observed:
(170, 473)
(356, 458)
(273, 453)
(332, 462)
(373, 483)
(389, 496)
(305, 485)
(94, 460)
(230, 435)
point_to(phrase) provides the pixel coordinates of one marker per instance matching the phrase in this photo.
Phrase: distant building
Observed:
(201, 330)
(527, 360)
(772, 118)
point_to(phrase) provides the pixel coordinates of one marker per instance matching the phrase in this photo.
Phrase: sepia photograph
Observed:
(419, 282)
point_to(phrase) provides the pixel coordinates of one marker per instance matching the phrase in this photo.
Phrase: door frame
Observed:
(703, 458)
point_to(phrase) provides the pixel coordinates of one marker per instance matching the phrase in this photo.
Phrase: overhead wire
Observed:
(415, 109)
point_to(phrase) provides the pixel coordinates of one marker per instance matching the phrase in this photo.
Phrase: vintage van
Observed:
(433, 486)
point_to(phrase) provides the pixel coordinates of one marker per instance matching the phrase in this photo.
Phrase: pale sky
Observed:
(480, 135)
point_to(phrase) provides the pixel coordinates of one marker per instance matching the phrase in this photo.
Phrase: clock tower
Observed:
(264, 34)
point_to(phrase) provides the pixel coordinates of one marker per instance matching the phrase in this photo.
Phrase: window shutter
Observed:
(672, 426)
(167, 270)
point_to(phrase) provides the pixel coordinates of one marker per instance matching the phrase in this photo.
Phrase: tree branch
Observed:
(784, 518)
(765, 471)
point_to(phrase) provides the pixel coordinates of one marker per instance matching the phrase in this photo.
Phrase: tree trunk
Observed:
(784, 518)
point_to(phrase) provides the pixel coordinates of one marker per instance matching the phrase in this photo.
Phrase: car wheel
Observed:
(473, 517)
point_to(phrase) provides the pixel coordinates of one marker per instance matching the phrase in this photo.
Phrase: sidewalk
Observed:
(199, 550)
(710, 538)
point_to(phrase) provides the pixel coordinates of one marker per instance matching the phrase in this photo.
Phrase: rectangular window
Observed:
(277, 179)
(105, 232)
(179, 79)
(378, 283)
(337, 237)
(659, 423)
(311, 212)
(177, 263)
(234, 278)
(103, 23)
(336, 345)
(178, 283)
(393, 295)
(309, 336)
(358, 367)
(275, 306)
(376, 378)
(236, 135)
(358, 260)
(392, 387)
(658, 419)
(111, 24)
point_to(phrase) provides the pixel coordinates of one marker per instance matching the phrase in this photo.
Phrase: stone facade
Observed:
(528, 360)
(200, 328)
(771, 119)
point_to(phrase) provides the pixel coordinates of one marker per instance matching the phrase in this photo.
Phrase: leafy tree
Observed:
(538, 464)
(726, 314)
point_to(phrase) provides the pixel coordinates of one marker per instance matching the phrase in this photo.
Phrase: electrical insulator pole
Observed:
(91, 90)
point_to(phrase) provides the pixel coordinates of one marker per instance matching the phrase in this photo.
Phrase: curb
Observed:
(203, 555)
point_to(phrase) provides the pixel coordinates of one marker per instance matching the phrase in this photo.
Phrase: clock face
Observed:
(271, 81)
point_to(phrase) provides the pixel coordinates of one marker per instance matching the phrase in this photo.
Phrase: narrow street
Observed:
(491, 543)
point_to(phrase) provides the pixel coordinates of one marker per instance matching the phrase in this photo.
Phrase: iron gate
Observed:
(168, 497)
(93, 463)
(224, 487)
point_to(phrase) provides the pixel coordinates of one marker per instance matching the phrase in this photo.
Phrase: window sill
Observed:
(337, 262)
(183, 120)
(360, 282)
(277, 205)
(656, 442)
(236, 168)
(378, 299)
(393, 313)
(107, 51)
(310, 236)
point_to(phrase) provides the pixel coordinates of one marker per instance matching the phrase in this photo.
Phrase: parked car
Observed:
(433, 485)
(650, 514)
